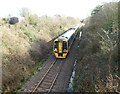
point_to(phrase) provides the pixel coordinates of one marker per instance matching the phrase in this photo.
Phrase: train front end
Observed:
(60, 48)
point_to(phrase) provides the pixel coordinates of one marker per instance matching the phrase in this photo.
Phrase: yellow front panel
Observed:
(60, 47)
(64, 55)
(60, 50)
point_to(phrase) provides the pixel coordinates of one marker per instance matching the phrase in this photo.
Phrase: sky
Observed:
(73, 8)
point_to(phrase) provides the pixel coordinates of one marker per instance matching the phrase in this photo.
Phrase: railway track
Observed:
(48, 80)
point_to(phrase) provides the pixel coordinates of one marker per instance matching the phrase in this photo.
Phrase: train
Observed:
(63, 43)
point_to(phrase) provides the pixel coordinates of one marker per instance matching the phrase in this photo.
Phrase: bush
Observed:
(30, 35)
(13, 20)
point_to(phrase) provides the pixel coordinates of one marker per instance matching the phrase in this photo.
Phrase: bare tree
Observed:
(25, 12)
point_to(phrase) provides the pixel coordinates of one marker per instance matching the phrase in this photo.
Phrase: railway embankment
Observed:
(44, 80)
(26, 45)
(97, 58)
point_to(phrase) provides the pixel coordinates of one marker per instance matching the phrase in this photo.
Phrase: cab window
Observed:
(64, 45)
(56, 44)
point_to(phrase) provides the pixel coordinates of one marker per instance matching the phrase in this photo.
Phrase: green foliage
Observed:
(27, 43)
(106, 16)
(97, 58)
(3, 21)
(30, 35)
(33, 20)
(108, 25)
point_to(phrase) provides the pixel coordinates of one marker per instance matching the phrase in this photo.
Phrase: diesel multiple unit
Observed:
(64, 42)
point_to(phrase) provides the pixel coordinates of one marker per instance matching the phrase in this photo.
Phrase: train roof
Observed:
(66, 36)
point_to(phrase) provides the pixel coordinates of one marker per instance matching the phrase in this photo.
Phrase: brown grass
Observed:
(25, 45)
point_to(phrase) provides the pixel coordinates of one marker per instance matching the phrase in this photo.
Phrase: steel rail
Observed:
(55, 77)
(43, 77)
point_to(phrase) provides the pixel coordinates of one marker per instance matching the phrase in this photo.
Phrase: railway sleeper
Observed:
(43, 86)
(53, 71)
(42, 90)
(47, 81)
(51, 74)
(50, 77)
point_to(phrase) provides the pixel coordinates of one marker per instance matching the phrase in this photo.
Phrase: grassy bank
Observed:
(26, 44)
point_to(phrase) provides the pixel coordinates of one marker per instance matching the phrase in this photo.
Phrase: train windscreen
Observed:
(64, 45)
(56, 45)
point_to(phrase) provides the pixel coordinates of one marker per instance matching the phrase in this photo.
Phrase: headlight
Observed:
(64, 49)
(55, 49)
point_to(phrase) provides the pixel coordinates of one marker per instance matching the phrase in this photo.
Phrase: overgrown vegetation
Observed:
(26, 43)
(97, 68)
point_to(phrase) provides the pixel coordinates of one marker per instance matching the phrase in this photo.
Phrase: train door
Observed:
(60, 47)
